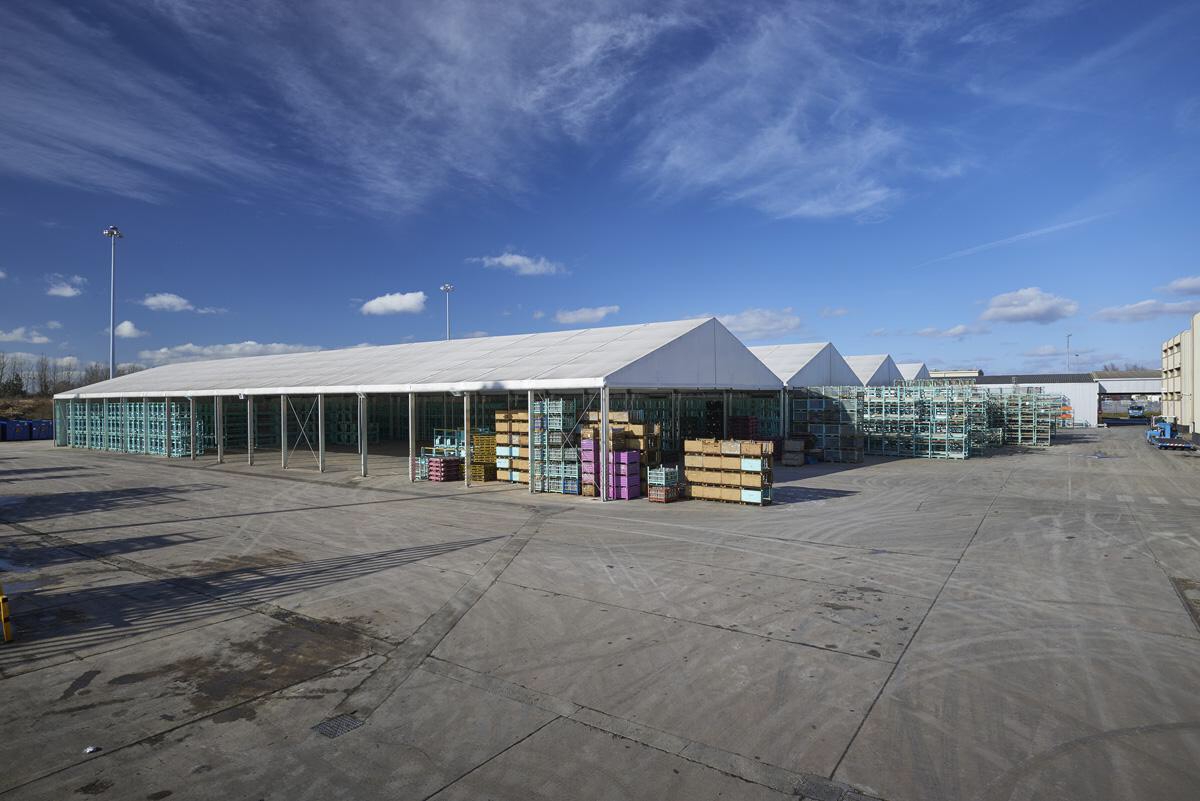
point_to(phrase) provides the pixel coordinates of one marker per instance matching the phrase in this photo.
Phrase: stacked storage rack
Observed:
(554, 454)
(735, 471)
(828, 416)
(663, 485)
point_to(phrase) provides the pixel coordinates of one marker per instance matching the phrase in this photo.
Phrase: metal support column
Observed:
(412, 437)
(362, 432)
(124, 426)
(146, 426)
(724, 415)
(466, 439)
(167, 427)
(783, 416)
(529, 448)
(192, 428)
(675, 403)
(70, 423)
(249, 429)
(321, 433)
(283, 437)
(219, 427)
(87, 423)
(604, 455)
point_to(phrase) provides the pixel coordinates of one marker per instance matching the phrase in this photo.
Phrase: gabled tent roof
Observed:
(685, 354)
(913, 371)
(875, 371)
(812, 364)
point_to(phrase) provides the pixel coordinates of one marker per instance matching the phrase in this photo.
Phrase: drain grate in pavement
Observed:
(336, 727)
(1189, 593)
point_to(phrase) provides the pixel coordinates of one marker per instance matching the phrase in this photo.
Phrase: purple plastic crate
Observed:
(624, 493)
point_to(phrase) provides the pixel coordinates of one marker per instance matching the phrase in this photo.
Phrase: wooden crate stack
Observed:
(512, 447)
(735, 471)
(483, 457)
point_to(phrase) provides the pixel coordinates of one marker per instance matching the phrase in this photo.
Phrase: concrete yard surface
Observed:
(1015, 627)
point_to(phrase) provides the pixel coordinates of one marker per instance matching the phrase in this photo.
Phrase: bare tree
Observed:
(41, 384)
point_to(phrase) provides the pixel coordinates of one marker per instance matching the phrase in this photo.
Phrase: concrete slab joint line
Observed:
(400, 663)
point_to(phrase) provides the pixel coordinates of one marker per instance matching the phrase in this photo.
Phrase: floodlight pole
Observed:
(447, 288)
(1068, 353)
(113, 233)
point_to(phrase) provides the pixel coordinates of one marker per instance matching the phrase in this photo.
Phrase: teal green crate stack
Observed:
(554, 456)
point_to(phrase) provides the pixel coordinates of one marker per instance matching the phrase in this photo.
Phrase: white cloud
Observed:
(170, 302)
(539, 314)
(127, 330)
(1188, 285)
(53, 325)
(474, 334)
(1147, 310)
(192, 353)
(878, 332)
(593, 314)
(167, 301)
(62, 286)
(521, 265)
(954, 332)
(396, 303)
(834, 311)
(23, 334)
(3, 275)
(1030, 305)
(753, 324)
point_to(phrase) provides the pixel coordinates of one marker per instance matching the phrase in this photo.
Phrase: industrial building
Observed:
(686, 376)
(1084, 391)
(1179, 370)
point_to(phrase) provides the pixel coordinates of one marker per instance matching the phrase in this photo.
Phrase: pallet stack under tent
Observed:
(737, 471)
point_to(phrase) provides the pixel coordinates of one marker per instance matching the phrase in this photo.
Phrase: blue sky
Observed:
(963, 183)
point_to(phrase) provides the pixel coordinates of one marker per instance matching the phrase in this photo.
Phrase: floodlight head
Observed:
(447, 287)
(113, 231)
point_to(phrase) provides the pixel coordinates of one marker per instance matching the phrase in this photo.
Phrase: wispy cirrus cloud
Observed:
(788, 109)
(960, 331)
(1188, 285)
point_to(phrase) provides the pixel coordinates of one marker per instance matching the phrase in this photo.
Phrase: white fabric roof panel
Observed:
(810, 364)
(877, 370)
(685, 354)
(913, 371)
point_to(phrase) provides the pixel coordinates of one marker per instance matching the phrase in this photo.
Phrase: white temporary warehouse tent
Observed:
(812, 364)
(913, 371)
(875, 371)
(687, 354)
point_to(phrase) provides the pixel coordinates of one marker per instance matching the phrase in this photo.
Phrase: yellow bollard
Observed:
(5, 623)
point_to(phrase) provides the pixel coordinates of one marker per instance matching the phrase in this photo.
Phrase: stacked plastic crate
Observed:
(663, 484)
(445, 468)
(735, 471)
(554, 459)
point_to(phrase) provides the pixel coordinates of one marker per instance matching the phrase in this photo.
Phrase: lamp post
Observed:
(113, 233)
(1068, 353)
(447, 288)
